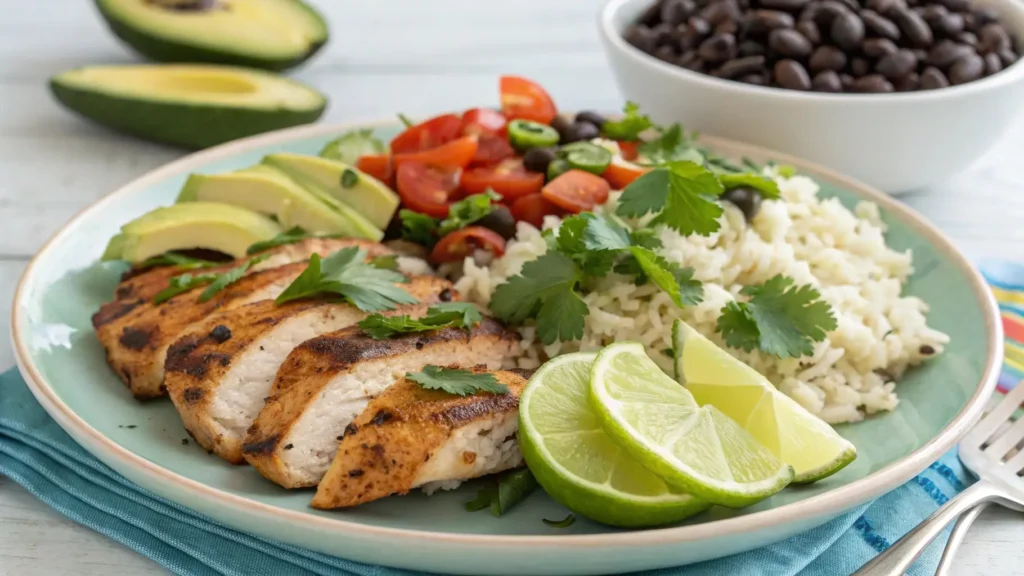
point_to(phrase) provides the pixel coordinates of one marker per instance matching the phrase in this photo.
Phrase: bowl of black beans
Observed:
(900, 94)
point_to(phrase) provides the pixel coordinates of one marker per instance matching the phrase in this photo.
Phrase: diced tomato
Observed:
(577, 191)
(621, 174)
(427, 189)
(428, 134)
(522, 98)
(508, 178)
(376, 165)
(533, 208)
(491, 149)
(483, 120)
(461, 243)
(628, 150)
(455, 154)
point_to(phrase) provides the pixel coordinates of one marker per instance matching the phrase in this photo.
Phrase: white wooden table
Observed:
(409, 56)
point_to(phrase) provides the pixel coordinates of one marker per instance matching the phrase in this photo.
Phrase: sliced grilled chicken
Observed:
(219, 402)
(410, 437)
(327, 381)
(137, 288)
(137, 343)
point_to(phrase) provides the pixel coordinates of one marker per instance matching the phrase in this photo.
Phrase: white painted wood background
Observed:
(403, 55)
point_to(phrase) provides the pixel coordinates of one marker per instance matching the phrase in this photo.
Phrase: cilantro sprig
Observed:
(443, 315)
(425, 230)
(768, 188)
(290, 236)
(629, 127)
(779, 318)
(214, 282)
(682, 194)
(346, 274)
(175, 259)
(456, 381)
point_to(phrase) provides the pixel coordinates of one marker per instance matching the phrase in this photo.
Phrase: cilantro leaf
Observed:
(484, 497)
(386, 262)
(645, 238)
(344, 273)
(510, 489)
(545, 289)
(629, 127)
(676, 281)
(779, 319)
(179, 260)
(467, 211)
(766, 186)
(350, 146)
(682, 193)
(290, 236)
(563, 523)
(561, 317)
(182, 283)
(672, 145)
(456, 381)
(444, 315)
(418, 228)
(229, 277)
(592, 241)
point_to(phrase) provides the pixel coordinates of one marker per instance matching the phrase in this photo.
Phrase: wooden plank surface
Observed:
(410, 56)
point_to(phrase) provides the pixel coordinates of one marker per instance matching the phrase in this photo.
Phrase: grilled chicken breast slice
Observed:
(219, 402)
(410, 437)
(137, 343)
(327, 381)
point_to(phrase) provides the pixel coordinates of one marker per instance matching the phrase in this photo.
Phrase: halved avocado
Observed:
(367, 195)
(211, 225)
(191, 105)
(271, 34)
(269, 191)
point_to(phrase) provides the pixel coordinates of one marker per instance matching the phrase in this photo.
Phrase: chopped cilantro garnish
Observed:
(677, 282)
(779, 319)
(229, 277)
(629, 127)
(290, 236)
(763, 184)
(672, 145)
(467, 211)
(217, 282)
(345, 274)
(349, 178)
(456, 381)
(179, 260)
(418, 228)
(444, 315)
(683, 194)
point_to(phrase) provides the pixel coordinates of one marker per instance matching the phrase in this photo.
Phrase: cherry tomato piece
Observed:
(507, 178)
(522, 98)
(621, 174)
(428, 134)
(455, 154)
(628, 150)
(577, 191)
(492, 149)
(427, 189)
(533, 208)
(483, 120)
(376, 165)
(461, 243)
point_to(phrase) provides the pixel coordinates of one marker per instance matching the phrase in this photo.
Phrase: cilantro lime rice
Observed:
(814, 241)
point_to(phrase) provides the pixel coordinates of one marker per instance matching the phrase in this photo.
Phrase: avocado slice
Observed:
(211, 225)
(271, 34)
(367, 195)
(267, 190)
(190, 105)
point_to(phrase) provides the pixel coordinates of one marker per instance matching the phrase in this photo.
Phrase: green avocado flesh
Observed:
(210, 225)
(271, 34)
(267, 190)
(190, 105)
(365, 194)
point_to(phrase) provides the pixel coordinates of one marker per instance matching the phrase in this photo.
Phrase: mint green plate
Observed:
(64, 365)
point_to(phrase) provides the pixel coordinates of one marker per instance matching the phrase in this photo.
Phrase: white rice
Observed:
(814, 241)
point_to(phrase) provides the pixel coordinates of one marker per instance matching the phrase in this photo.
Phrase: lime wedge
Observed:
(793, 434)
(697, 449)
(578, 464)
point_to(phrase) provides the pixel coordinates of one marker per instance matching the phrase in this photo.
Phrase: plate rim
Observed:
(828, 504)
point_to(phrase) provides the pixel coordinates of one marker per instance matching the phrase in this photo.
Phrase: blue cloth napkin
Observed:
(36, 453)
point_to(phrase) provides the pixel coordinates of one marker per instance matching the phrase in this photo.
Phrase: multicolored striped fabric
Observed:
(1007, 282)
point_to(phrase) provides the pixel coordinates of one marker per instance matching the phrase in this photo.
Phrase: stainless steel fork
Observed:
(994, 451)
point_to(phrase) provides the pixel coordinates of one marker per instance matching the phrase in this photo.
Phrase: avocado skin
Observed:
(188, 125)
(162, 50)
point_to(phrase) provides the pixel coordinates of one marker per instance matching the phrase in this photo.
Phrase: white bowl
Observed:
(895, 142)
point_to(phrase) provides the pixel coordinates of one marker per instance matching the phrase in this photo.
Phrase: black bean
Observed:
(827, 81)
(810, 12)
(966, 69)
(675, 12)
(652, 15)
(945, 52)
(920, 53)
(764, 21)
(983, 16)
(789, 42)
(847, 30)
(500, 219)
(956, 5)
(750, 48)
(885, 7)
(755, 79)
(949, 25)
(859, 67)
(908, 83)
(810, 31)
(592, 117)
(1008, 56)
(580, 131)
(897, 65)
(933, 78)
(641, 37)
(827, 58)
(538, 159)
(993, 38)
(747, 199)
(727, 27)
(872, 83)
(790, 74)
(914, 27)
(720, 11)
(666, 54)
(878, 47)
(847, 81)
(829, 11)
(967, 38)
(741, 67)
(853, 5)
(878, 25)
(932, 13)
(561, 124)
(718, 48)
(699, 26)
(691, 61)
(664, 34)
(789, 5)
(992, 64)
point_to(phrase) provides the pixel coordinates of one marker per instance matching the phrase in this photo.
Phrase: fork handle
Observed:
(897, 559)
(956, 538)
